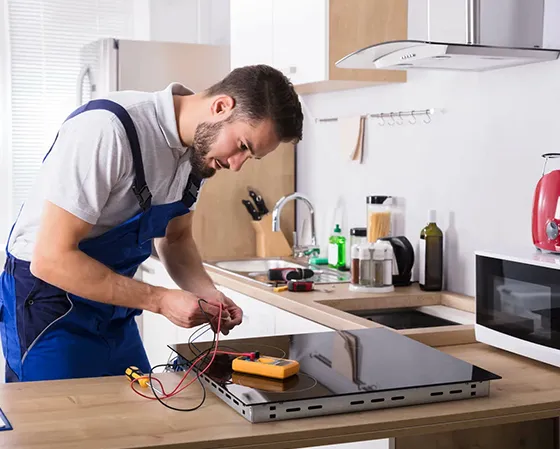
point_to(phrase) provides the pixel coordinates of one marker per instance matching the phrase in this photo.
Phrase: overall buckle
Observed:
(144, 196)
(190, 194)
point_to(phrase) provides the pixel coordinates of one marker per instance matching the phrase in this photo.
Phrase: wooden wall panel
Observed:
(355, 24)
(222, 225)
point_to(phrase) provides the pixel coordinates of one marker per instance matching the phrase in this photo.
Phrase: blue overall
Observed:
(48, 333)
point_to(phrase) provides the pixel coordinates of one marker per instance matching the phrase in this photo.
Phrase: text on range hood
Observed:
(473, 55)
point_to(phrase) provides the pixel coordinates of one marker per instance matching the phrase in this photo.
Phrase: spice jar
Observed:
(371, 268)
(355, 265)
(379, 217)
(358, 236)
(378, 265)
(365, 265)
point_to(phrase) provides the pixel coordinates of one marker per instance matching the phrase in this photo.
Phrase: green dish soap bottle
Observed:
(337, 249)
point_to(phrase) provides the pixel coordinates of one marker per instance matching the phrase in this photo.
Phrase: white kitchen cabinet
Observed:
(156, 330)
(304, 39)
(289, 323)
(190, 21)
(281, 322)
(157, 333)
(251, 32)
(300, 25)
(259, 319)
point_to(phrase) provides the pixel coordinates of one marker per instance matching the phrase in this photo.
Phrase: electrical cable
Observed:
(200, 358)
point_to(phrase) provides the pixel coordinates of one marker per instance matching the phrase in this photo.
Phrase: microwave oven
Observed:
(518, 304)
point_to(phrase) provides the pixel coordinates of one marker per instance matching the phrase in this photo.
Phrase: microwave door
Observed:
(518, 307)
(550, 324)
(522, 307)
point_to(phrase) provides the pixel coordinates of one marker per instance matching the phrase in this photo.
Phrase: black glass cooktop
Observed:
(336, 363)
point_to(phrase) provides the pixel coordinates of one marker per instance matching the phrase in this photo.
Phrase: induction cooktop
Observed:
(340, 372)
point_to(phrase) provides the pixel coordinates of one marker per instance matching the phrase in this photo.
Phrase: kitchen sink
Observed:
(256, 265)
(403, 318)
(256, 270)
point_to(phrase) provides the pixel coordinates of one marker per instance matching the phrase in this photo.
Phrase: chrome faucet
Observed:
(298, 251)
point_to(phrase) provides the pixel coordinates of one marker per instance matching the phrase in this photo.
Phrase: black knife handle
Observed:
(261, 206)
(251, 209)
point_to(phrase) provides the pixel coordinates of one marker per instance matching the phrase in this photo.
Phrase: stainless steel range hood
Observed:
(522, 46)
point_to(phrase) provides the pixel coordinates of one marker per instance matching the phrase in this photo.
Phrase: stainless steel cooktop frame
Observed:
(355, 402)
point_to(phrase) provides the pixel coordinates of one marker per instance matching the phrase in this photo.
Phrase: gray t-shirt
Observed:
(90, 173)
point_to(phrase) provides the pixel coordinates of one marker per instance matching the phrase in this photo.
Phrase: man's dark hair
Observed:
(262, 92)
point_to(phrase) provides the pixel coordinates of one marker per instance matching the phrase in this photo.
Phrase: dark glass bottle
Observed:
(430, 273)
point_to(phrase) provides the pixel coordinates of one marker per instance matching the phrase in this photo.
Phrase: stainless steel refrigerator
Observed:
(119, 64)
(116, 64)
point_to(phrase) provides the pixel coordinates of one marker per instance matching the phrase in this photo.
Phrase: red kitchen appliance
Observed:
(546, 209)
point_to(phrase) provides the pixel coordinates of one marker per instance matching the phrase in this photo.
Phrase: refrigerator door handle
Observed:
(85, 71)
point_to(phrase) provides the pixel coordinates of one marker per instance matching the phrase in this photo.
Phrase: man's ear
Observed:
(223, 105)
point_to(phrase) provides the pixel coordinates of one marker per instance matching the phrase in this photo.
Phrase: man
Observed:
(122, 172)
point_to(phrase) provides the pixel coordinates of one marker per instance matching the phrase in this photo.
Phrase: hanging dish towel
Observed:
(351, 134)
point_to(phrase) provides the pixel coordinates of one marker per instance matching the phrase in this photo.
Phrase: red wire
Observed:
(177, 390)
(246, 354)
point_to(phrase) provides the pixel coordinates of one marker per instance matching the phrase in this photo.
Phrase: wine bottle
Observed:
(431, 256)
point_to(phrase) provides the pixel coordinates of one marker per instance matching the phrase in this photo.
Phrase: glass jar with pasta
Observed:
(379, 217)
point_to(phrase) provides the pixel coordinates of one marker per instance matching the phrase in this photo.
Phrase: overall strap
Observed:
(190, 193)
(140, 188)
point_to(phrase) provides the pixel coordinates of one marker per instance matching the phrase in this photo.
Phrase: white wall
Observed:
(477, 163)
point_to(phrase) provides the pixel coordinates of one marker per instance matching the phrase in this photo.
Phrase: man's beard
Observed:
(204, 137)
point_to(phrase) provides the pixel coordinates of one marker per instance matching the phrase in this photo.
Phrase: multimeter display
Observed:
(266, 366)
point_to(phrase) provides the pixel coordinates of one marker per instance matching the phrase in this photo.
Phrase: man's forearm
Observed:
(79, 274)
(184, 264)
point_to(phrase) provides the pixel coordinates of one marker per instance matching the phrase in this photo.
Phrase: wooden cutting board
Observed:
(222, 226)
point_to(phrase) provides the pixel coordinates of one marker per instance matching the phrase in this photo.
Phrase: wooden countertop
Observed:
(104, 412)
(331, 308)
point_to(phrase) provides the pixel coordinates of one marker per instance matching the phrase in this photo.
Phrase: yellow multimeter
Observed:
(266, 366)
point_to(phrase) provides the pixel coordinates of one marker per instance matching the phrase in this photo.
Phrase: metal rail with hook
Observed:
(414, 114)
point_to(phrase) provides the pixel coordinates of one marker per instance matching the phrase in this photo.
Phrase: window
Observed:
(5, 163)
(45, 40)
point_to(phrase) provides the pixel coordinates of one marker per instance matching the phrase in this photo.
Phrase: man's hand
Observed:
(234, 313)
(183, 309)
